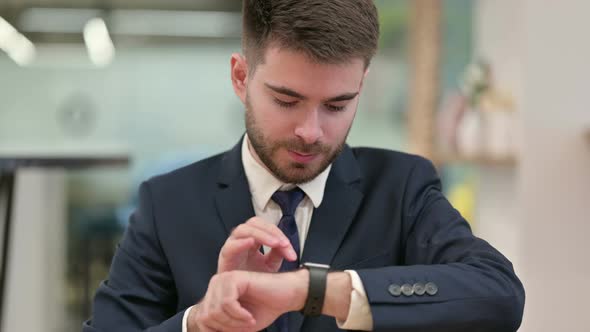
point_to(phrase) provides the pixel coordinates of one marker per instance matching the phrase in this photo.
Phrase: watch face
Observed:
(321, 266)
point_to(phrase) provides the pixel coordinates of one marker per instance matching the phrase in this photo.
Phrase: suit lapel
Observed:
(272, 328)
(331, 220)
(232, 196)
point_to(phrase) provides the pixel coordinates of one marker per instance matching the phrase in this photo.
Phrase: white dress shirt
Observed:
(262, 185)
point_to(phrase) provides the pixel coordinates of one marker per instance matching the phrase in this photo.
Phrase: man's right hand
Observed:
(241, 250)
(248, 301)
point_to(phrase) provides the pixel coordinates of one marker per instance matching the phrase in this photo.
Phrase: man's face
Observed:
(299, 112)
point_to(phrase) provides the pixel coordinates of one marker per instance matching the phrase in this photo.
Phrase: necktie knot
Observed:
(288, 200)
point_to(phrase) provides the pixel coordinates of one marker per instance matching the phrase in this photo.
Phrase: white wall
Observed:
(542, 50)
(497, 39)
(152, 100)
(555, 184)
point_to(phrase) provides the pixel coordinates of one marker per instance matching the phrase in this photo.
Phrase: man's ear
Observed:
(239, 75)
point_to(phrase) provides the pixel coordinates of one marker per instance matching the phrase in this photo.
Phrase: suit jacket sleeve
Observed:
(477, 287)
(140, 292)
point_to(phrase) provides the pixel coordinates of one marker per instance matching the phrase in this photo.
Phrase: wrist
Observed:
(301, 284)
(191, 323)
(338, 290)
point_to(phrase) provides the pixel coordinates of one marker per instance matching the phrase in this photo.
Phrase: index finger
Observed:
(259, 235)
(270, 228)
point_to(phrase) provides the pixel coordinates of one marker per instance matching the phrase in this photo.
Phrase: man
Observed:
(216, 246)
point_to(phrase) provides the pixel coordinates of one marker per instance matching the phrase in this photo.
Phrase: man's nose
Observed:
(310, 129)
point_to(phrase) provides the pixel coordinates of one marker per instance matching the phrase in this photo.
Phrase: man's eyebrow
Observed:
(285, 91)
(288, 92)
(343, 97)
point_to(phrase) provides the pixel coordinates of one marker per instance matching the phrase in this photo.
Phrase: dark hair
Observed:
(328, 31)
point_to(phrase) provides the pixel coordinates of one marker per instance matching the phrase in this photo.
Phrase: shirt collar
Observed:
(263, 183)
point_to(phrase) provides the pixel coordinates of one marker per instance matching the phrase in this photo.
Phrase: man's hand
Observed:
(241, 250)
(248, 301)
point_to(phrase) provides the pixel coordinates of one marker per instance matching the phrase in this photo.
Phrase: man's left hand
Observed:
(241, 250)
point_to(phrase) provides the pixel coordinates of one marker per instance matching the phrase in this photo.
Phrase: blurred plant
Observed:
(475, 81)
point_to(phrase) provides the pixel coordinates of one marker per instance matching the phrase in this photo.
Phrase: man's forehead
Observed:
(276, 54)
(297, 72)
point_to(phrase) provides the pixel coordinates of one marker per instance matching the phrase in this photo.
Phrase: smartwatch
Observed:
(318, 274)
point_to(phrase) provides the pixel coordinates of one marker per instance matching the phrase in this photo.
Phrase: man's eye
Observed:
(335, 108)
(285, 104)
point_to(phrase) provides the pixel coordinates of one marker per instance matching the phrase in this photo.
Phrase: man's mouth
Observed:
(302, 157)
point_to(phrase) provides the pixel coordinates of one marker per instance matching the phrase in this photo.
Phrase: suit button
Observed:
(395, 290)
(407, 290)
(431, 288)
(419, 288)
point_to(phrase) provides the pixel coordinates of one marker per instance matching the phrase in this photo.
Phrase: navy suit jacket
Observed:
(383, 215)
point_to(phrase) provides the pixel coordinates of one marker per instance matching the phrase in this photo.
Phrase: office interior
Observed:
(97, 96)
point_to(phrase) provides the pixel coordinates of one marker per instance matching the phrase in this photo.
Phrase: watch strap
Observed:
(318, 275)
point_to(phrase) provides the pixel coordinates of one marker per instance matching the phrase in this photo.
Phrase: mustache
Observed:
(301, 147)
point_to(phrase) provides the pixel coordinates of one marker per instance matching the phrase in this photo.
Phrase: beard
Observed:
(289, 171)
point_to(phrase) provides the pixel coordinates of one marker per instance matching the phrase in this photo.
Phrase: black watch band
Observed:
(318, 274)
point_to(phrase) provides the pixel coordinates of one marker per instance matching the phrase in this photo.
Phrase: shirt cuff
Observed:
(185, 319)
(359, 315)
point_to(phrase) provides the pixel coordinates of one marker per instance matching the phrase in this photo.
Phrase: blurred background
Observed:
(96, 96)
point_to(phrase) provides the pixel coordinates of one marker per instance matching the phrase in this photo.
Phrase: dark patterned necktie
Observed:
(288, 201)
